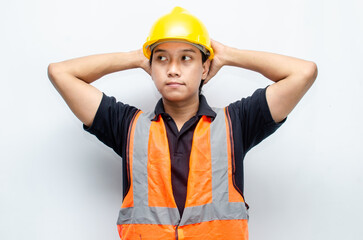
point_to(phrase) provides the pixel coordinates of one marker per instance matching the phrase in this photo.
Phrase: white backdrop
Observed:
(59, 182)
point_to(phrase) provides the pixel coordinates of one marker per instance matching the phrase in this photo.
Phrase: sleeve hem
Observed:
(91, 128)
(266, 110)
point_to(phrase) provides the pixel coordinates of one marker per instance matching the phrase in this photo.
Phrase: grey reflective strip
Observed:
(220, 208)
(148, 215)
(141, 212)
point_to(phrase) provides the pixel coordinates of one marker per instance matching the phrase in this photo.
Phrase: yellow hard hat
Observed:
(179, 25)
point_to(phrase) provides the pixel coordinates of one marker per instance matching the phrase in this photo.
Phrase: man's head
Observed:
(178, 70)
(204, 58)
(178, 47)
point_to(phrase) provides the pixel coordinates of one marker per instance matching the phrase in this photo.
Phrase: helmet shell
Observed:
(178, 25)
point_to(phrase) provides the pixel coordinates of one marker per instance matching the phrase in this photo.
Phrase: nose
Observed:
(174, 69)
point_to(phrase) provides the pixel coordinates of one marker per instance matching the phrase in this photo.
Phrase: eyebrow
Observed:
(184, 50)
(189, 50)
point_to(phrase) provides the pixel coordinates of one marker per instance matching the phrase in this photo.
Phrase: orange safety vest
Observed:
(214, 209)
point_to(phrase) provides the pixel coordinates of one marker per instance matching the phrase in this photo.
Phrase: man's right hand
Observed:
(218, 60)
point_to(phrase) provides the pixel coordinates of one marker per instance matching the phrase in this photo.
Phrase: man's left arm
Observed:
(293, 77)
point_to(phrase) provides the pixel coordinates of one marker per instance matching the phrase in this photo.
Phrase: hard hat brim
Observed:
(147, 47)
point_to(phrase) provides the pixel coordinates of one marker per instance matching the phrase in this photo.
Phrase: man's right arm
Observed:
(72, 79)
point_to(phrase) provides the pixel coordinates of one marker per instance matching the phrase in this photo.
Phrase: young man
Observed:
(183, 162)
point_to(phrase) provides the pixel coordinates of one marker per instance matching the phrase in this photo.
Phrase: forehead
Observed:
(175, 47)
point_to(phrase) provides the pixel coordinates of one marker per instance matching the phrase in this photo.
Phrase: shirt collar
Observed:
(203, 110)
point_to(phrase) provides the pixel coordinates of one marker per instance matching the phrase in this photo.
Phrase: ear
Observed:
(206, 66)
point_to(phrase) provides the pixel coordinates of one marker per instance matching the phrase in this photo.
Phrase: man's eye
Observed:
(186, 58)
(161, 58)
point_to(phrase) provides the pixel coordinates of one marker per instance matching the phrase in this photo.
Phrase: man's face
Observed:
(177, 71)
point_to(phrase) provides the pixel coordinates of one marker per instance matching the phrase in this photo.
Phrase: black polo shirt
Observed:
(251, 123)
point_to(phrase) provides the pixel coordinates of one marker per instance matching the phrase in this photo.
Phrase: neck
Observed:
(181, 112)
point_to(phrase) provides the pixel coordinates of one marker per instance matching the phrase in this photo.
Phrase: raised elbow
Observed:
(310, 71)
(54, 70)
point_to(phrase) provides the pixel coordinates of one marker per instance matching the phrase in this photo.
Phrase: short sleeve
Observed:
(252, 120)
(111, 123)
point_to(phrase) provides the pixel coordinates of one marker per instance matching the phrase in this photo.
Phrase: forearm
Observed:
(91, 68)
(72, 79)
(293, 77)
(273, 66)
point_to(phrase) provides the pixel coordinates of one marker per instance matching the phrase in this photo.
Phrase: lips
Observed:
(174, 84)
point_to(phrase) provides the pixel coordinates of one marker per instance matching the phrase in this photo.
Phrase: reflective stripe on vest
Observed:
(214, 209)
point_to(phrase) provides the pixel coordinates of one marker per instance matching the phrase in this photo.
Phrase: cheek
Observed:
(155, 76)
(154, 72)
(196, 73)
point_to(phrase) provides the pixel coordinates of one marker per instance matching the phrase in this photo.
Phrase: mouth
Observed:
(174, 84)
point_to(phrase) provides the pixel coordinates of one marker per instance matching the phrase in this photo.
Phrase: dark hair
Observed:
(204, 58)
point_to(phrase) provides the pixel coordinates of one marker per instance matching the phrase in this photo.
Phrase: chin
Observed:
(177, 97)
(173, 98)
